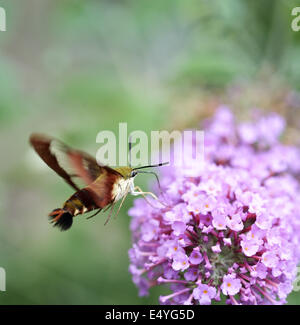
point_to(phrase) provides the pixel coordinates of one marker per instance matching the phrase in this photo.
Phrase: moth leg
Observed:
(123, 199)
(140, 192)
(93, 215)
(110, 213)
(108, 206)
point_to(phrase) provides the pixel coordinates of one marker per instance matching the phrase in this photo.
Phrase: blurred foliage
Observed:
(71, 68)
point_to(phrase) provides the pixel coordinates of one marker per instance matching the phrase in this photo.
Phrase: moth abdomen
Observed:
(80, 203)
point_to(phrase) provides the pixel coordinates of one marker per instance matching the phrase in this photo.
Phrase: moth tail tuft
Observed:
(61, 219)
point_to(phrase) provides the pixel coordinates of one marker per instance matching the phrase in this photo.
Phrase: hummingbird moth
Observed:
(103, 186)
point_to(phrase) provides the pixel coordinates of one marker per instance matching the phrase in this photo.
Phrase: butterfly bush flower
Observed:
(229, 232)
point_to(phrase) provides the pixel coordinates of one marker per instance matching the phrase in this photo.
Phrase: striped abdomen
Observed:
(79, 203)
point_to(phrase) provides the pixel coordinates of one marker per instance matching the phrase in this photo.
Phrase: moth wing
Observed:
(102, 189)
(71, 164)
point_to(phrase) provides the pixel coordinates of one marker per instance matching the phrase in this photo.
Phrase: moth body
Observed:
(104, 185)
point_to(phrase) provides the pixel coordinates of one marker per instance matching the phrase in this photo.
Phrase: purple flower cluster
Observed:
(232, 231)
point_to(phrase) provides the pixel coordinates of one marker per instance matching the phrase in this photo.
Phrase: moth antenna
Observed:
(149, 166)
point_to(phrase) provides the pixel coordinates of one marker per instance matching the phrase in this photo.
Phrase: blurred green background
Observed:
(71, 68)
